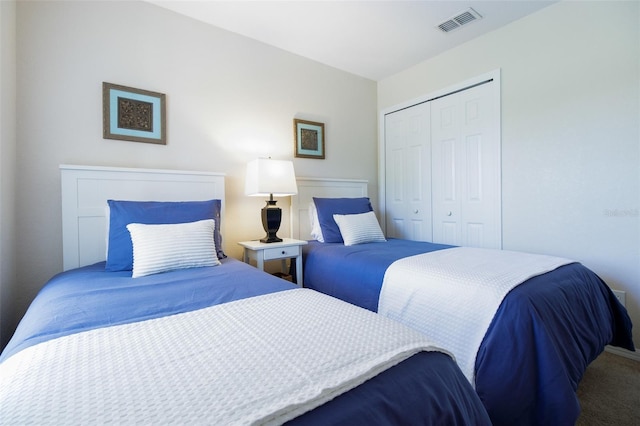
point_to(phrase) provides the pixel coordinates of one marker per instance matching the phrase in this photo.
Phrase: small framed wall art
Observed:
(133, 114)
(309, 139)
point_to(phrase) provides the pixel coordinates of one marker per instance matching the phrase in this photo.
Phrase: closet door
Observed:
(407, 173)
(466, 190)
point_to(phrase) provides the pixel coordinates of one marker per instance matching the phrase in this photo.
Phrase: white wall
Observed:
(7, 160)
(570, 131)
(229, 100)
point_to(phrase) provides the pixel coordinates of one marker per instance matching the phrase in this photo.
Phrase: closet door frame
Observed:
(490, 76)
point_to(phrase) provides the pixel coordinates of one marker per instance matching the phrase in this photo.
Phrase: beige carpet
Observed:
(609, 392)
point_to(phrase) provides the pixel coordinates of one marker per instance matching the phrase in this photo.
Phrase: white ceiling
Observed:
(374, 38)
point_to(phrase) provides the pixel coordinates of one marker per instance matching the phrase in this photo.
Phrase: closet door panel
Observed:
(473, 178)
(482, 202)
(446, 174)
(395, 182)
(475, 237)
(449, 233)
(407, 183)
(466, 169)
(445, 186)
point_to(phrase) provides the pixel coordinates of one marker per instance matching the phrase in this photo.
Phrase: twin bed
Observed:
(523, 327)
(197, 337)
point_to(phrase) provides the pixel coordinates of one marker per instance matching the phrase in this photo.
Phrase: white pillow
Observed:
(316, 231)
(162, 248)
(359, 228)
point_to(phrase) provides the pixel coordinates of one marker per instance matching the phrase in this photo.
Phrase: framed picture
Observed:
(309, 139)
(130, 114)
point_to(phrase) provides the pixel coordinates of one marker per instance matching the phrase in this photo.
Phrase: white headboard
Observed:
(319, 187)
(86, 189)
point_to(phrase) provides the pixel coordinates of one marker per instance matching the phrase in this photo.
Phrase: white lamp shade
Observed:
(266, 176)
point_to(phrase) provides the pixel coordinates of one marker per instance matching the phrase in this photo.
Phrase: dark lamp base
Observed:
(271, 218)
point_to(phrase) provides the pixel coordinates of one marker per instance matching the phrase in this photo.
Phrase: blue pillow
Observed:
(327, 207)
(122, 213)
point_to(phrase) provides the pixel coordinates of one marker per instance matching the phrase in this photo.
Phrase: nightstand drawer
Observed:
(281, 252)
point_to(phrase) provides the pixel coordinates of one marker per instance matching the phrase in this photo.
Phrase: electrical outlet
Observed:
(621, 296)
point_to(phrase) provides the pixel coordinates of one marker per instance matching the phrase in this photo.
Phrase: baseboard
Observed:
(623, 352)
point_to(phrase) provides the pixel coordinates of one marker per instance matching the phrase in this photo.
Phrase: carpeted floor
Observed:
(609, 392)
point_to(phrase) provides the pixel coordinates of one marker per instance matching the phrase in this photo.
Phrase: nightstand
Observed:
(288, 248)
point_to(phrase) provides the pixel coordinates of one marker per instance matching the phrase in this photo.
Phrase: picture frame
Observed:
(131, 114)
(309, 139)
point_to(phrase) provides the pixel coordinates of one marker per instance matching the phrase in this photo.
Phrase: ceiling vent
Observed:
(459, 20)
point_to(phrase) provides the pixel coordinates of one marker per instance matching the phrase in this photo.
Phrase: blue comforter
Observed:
(541, 340)
(427, 388)
(90, 297)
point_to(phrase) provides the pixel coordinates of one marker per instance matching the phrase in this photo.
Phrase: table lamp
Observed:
(273, 178)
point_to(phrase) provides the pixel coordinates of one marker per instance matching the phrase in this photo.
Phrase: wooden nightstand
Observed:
(288, 248)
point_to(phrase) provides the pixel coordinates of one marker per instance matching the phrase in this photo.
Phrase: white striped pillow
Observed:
(162, 248)
(359, 228)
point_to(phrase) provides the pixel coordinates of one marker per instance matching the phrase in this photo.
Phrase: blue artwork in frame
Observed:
(309, 139)
(133, 114)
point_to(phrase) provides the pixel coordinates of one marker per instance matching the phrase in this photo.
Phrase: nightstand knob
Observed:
(283, 252)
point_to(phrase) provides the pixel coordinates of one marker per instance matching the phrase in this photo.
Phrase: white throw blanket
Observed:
(260, 360)
(452, 295)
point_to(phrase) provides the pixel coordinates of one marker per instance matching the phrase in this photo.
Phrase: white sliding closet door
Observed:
(408, 180)
(466, 191)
